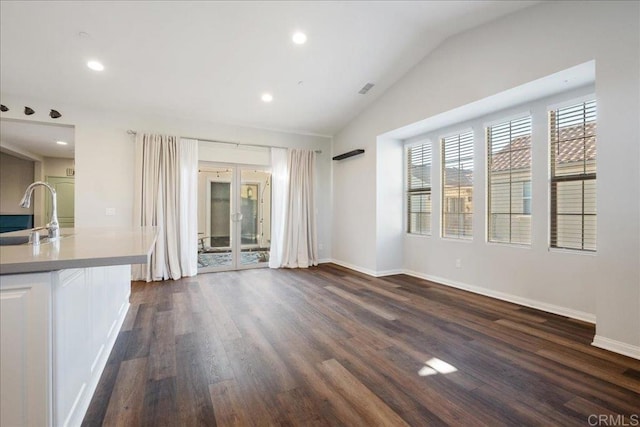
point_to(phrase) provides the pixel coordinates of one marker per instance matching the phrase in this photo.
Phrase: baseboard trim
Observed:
(527, 302)
(355, 267)
(325, 261)
(388, 273)
(616, 346)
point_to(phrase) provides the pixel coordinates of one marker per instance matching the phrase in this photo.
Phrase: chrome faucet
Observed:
(53, 227)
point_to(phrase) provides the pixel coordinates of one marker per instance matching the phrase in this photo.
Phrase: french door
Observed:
(234, 217)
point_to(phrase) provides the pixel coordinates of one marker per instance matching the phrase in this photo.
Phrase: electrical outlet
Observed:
(320, 246)
(458, 263)
(110, 212)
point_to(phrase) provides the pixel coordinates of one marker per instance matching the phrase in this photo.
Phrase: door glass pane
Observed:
(220, 236)
(215, 237)
(255, 225)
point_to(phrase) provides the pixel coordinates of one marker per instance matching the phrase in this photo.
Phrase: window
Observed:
(573, 177)
(419, 189)
(526, 198)
(457, 186)
(509, 186)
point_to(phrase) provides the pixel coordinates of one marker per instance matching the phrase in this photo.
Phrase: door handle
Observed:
(237, 217)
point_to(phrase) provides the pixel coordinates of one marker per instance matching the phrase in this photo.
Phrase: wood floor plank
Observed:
(126, 404)
(130, 318)
(229, 407)
(596, 371)
(209, 352)
(364, 364)
(100, 401)
(141, 333)
(260, 400)
(162, 351)
(223, 323)
(183, 314)
(573, 381)
(161, 403)
(354, 299)
(368, 404)
(385, 293)
(330, 346)
(587, 408)
(275, 370)
(300, 410)
(337, 410)
(192, 390)
(569, 343)
(440, 396)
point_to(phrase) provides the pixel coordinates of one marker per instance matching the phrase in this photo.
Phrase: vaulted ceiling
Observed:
(213, 60)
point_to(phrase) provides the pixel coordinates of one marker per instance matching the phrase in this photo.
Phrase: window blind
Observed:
(509, 186)
(457, 186)
(419, 189)
(573, 177)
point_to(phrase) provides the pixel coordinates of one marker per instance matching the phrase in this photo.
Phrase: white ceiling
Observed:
(40, 139)
(212, 60)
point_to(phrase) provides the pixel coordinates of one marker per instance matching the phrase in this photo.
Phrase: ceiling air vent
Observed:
(366, 88)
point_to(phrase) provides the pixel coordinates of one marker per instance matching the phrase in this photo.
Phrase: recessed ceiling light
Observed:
(95, 65)
(299, 38)
(61, 143)
(267, 97)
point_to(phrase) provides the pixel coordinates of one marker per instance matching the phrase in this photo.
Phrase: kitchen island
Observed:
(62, 304)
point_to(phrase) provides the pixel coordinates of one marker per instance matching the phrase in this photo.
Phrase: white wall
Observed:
(104, 155)
(490, 59)
(54, 166)
(567, 285)
(15, 175)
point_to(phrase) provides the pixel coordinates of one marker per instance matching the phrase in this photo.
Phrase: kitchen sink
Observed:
(22, 240)
(13, 240)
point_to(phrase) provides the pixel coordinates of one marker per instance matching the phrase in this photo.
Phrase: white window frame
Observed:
(489, 155)
(575, 177)
(407, 191)
(441, 139)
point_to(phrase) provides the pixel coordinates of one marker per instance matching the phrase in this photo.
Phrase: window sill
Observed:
(417, 235)
(453, 239)
(572, 251)
(509, 245)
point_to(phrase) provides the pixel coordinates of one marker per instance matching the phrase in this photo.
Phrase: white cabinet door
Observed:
(56, 332)
(72, 337)
(109, 289)
(101, 311)
(25, 353)
(89, 308)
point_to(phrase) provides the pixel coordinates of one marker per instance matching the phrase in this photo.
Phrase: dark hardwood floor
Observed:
(329, 346)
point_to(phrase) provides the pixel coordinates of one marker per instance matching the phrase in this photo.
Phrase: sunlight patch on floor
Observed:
(435, 366)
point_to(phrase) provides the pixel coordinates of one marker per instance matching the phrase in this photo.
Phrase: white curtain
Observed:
(165, 169)
(300, 237)
(279, 188)
(188, 207)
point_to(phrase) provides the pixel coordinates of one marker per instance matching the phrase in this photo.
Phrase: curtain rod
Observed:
(237, 144)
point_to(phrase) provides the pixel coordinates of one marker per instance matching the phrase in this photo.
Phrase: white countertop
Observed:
(79, 248)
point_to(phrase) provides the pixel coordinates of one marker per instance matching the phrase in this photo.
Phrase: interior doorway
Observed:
(64, 186)
(234, 217)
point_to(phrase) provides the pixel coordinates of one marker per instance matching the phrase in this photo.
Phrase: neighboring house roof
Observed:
(570, 149)
(466, 176)
(517, 156)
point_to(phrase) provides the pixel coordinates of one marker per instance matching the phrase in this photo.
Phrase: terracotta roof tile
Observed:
(570, 149)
